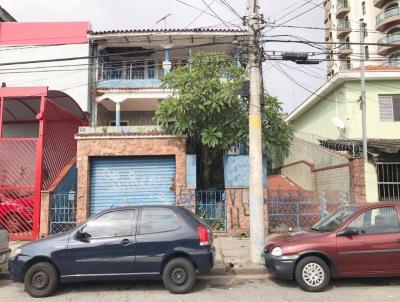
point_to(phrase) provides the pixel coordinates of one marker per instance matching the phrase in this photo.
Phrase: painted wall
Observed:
(236, 171)
(318, 119)
(343, 103)
(21, 42)
(375, 128)
(191, 171)
(307, 157)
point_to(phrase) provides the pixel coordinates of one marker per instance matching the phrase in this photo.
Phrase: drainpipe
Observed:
(118, 114)
(92, 72)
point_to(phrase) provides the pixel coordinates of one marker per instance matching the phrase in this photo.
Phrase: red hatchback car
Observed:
(354, 241)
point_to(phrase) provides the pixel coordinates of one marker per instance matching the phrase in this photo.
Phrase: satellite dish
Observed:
(338, 122)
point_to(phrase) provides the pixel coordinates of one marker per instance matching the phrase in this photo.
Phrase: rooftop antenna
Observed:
(165, 21)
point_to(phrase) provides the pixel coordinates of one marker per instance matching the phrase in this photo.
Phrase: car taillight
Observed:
(203, 236)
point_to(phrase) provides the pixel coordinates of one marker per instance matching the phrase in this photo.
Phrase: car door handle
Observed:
(398, 241)
(126, 242)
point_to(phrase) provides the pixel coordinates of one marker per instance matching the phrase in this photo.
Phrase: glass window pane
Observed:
(151, 70)
(137, 71)
(112, 224)
(157, 220)
(377, 221)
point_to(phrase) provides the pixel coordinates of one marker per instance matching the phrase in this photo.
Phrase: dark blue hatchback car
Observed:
(144, 242)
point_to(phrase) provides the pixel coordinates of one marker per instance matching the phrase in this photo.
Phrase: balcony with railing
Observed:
(389, 44)
(380, 3)
(342, 9)
(388, 18)
(343, 29)
(345, 50)
(144, 74)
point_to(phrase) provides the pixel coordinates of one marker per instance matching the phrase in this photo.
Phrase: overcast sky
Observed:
(128, 14)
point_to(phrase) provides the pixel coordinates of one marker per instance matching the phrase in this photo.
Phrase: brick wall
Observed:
(357, 180)
(238, 214)
(125, 146)
(315, 168)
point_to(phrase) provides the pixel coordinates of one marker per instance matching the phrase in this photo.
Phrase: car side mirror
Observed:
(83, 236)
(350, 231)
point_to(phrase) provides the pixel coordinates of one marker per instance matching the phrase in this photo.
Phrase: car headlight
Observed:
(277, 252)
(15, 253)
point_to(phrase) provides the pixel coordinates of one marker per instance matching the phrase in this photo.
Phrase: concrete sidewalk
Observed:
(233, 257)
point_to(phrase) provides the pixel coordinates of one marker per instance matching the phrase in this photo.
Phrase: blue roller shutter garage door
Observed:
(123, 181)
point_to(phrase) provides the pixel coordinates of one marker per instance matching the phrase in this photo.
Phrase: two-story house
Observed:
(124, 157)
(326, 154)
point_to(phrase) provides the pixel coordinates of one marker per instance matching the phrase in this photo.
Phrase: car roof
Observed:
(142, 206)
(364, 206)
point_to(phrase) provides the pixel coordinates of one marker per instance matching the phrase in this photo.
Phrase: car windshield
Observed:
(333, 220)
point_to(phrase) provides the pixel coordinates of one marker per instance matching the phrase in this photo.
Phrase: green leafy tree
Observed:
(206, 105)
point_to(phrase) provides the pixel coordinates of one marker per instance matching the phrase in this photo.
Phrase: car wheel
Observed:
(41, 280)
(179, 276)
(312, 274)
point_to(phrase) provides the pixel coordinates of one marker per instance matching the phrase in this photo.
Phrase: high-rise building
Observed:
(343, 23)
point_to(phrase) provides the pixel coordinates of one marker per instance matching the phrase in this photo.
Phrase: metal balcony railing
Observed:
(346, 25)
(384, 42)
(344, 46)
(394, 11)
(342, 4)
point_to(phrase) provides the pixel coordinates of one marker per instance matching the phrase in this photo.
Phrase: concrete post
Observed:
(118, 114)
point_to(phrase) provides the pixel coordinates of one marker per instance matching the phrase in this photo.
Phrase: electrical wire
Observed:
(226, 4)
(198, 9)
(199, 15)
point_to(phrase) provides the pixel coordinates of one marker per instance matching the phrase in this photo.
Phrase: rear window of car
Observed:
(198, 219)
(157, 220)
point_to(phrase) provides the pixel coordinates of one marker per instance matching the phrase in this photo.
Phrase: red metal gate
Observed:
(36, 143)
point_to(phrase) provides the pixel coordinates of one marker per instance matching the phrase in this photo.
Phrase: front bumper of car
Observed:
(282, 266)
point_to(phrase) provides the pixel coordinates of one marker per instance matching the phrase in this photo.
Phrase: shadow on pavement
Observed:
(357, 282)
(107, 286)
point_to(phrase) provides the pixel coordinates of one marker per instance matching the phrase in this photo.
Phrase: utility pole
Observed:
(363, 94)
(256, 198)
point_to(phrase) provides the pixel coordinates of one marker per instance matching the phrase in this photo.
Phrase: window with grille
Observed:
(389, 108)
(388, 181)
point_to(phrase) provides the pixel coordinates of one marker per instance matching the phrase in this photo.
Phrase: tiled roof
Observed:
(126, 134)
(169, 30)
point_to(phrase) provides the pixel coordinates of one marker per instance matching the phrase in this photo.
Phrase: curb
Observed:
(221, 270)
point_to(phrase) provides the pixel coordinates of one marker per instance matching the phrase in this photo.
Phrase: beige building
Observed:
(342, 23)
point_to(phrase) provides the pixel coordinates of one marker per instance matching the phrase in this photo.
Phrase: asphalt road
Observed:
(230, 288)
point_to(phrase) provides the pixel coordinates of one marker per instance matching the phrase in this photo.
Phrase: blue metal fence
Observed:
(298, 210)
(211, 206)
(62, 212)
